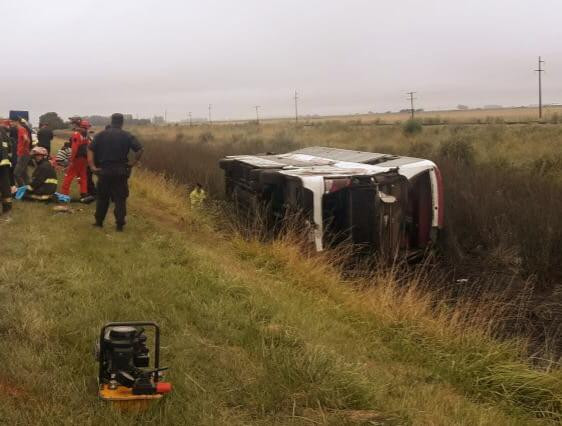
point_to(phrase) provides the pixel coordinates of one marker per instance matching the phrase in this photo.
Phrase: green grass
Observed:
(253, 333)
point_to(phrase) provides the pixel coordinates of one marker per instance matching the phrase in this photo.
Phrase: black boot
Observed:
(86, 198)
(6, 207)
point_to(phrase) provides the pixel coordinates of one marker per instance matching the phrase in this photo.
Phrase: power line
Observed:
(296, 107)
(257, 107)
(540, 71)
(411, 94)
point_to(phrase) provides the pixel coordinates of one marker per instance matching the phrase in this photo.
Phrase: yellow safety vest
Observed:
(196, 198)
(5, 161)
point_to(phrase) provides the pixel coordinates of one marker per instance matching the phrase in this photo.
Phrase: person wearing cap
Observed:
(78, 162)
(5, 166)
(45, 136)
(44, 179)
(23, 146)
(108, 157)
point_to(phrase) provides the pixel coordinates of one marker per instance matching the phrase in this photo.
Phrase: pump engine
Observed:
(124, 362)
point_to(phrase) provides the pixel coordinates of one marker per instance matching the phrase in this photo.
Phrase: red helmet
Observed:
(39, 150)
(85, 124)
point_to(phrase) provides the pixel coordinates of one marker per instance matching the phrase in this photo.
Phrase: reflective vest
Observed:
(197, 197)
(5, 151)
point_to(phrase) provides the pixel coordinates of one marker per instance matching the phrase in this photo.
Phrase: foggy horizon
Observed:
(147, 57)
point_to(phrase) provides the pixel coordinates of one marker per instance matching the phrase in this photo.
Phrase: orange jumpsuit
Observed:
(78, 165)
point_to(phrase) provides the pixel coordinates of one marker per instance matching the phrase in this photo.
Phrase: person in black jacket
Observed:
(108, 158)
(45, 136)
(44, 179)
(5, 167)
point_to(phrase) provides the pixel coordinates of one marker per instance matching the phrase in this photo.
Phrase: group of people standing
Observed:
(106, 155)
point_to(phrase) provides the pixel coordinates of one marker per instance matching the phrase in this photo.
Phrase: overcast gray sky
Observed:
(144, 56)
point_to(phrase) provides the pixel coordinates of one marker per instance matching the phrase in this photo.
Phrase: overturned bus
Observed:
(384, 203)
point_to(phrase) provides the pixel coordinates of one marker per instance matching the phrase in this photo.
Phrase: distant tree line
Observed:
(100, 120)
(53, 120)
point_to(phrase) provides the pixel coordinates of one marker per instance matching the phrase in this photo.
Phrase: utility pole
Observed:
(296, 107)
(411, 95)
(189, 114)
(257, 107)
(210, 118)
(165, 116)
(540, 71)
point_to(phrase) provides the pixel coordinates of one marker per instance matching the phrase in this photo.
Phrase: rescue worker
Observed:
(13, 133)
(14, 140)
(23, 146)
(78, 162)
(197, 197)
(108, 158)
(5, 166)
(44, 179)
(91, 185)
(27, 127)
(45, 136)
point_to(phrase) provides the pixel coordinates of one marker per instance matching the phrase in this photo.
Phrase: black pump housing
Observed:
(124, 359)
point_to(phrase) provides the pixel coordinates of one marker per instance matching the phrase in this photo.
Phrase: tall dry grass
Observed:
(503, 229)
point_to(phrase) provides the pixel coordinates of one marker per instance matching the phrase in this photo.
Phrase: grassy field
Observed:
(254, 333)
(472, 116)
(551, 114)
(503, 228)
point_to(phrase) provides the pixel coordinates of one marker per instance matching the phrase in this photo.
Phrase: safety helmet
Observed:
(85, 124)
(39, 150)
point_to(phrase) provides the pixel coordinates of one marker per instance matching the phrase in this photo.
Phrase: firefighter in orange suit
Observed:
(78, 163)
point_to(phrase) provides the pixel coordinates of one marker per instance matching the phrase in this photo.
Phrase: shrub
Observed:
(412, 127)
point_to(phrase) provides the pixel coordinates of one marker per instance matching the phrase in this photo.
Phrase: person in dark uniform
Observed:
(108, 157)
(5, 166)
(45, 136)
(44, 179)
(91, 185)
